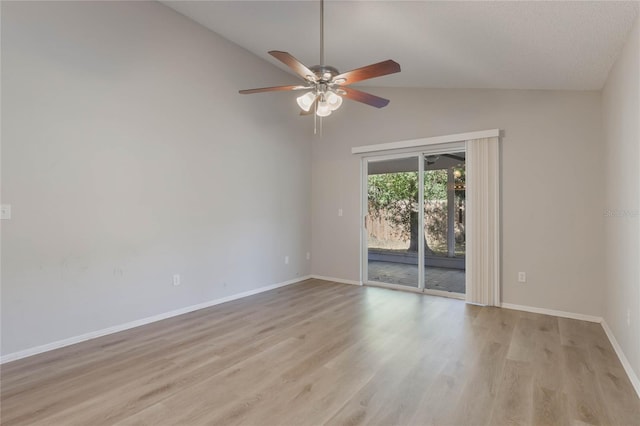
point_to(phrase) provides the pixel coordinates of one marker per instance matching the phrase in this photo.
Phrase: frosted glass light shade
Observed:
(306, 101)
(324, 109)
(334, 101)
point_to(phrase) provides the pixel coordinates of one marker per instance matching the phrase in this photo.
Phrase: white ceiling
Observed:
(477, 44)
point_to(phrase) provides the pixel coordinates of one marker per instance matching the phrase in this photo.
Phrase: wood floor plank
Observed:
(514, 402)
(403, 404)
(326, 353)
(315, 398)
(475, 404)
(585, 401)
(361, 408)
(548, 360)
(549, 407)
(522, 344)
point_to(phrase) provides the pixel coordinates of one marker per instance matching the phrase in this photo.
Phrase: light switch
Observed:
(5, 212)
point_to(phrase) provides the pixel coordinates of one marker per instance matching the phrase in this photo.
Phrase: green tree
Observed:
(395, 196)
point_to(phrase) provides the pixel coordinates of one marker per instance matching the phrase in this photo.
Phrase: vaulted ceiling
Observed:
(477, 44)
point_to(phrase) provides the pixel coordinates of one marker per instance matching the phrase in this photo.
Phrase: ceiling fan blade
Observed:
(364, 97)
(272, 89)
(370, 71)
(294, 64)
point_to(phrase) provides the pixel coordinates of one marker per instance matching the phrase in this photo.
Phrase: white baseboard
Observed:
(335, 280)
(137, 323)
(633, 377)
(553, 312)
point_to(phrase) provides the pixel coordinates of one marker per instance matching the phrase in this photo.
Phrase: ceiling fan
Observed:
(325, 85)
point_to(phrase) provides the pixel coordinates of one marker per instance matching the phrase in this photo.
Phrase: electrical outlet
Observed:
(176, 279)
(286, 260)
(340, 212)
(308, 256)
(522, 277)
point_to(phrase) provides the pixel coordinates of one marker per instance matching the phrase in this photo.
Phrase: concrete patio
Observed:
(444, 279)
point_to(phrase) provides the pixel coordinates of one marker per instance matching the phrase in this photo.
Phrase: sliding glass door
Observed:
(414, 215)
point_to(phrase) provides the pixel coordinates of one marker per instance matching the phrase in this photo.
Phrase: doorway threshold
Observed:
(411, 289)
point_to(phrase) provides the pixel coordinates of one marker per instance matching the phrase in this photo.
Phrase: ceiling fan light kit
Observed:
(307, 100)
(325, 85)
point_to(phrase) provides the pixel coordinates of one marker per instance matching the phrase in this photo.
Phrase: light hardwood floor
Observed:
(324, 353)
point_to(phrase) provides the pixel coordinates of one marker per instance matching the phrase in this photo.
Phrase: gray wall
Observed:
(621, 111)
(128, 156)
(552, 189)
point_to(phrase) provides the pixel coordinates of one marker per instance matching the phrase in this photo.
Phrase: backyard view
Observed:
(393, 222)
(393, 208)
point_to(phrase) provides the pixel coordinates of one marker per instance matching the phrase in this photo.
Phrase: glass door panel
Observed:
(444, 186)
(392, 221)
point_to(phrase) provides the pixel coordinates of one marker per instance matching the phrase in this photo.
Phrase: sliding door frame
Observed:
(442, 148)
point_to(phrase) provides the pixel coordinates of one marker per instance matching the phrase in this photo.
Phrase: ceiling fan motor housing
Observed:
(323, 73)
